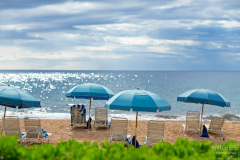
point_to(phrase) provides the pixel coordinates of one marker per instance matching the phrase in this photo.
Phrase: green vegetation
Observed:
(182, 149)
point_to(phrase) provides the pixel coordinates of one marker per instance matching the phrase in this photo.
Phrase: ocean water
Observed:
(50, 88)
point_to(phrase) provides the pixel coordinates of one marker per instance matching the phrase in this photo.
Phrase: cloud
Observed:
(104, 34)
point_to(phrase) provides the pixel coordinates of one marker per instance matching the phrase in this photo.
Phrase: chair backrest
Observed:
(33, 127)
(192, 120)
(155, 132)
(101, 115)
(119, 129)
(77, 116)
(216, 123)
(11, 126)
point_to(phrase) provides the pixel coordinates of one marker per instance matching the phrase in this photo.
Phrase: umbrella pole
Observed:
(89, 114)
(201, 116)
(136, 129)
(5, 111)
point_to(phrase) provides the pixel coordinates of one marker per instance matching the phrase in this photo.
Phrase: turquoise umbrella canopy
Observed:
(12, 97)
(137, 100)
(204, 96)
(90, 90)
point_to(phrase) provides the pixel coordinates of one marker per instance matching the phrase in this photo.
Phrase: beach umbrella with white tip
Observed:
(204, 96)
(137, 100)
(90, 91)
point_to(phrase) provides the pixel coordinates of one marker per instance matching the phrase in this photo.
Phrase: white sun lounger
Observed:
(101, 117)
(77, 118)
(192, 122)
(216, 125)
(155, 132)
(119, 129)
(34, 131)
(11, 126)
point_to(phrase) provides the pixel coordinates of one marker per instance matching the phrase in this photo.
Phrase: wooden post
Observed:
(89, 121)
(136, 129)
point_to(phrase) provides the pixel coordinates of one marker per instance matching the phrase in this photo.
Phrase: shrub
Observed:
(182, 149)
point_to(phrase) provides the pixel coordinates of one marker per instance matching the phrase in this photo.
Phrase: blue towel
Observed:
(109, 124)
(133, 142)
(204, 132)
(44, 133)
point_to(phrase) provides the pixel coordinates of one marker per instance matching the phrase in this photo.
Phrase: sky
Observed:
(120, 35)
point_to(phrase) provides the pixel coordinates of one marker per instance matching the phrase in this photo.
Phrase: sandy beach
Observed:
(60, 129)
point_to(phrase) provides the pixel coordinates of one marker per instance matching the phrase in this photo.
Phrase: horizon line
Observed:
(119, 70)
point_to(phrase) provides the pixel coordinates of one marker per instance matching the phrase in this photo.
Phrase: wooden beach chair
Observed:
(155, 132)
(11, 126)
(192, 122)
(119, 129)
(101, 117)
(34, 131)
(77, 118)
(216, 125)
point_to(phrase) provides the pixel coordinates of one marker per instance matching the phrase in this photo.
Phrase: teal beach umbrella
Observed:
(204, 96)
(12, 97)
(90, 91)
(137, 100)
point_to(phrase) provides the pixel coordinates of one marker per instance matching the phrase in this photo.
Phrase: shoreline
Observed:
(60, 129)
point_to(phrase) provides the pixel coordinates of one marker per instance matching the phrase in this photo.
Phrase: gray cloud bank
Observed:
(122, 35)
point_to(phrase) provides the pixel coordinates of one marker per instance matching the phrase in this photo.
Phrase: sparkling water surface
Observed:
(50, 88)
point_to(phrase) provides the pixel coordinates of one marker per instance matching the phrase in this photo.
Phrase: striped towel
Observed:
(44, 133)
(81, 109)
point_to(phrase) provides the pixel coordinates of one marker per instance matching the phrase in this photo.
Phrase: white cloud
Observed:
(173, 4)
(17, 27)
(148, 41)
(16, 53)
(52, 9)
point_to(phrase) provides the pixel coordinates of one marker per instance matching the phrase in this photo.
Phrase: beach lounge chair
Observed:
(11, 126)
(101, 117)
(119, 129)
(155, 132)
(216, 125)
(34, 131)
(77, 118)
(192, 122)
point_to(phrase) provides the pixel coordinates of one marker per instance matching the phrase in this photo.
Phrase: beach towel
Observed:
(133, 142)
(44, 133)
(81, 109)
(204, 132)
